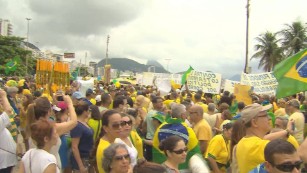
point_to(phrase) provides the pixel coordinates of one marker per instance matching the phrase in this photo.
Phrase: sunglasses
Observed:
(123, 123)
(122, 157)
(180, 151)
(289, 167)
(116, 126)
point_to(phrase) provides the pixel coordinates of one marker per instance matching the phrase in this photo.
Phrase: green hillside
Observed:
(125, 64)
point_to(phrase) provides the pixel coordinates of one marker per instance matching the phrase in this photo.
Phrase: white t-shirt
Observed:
(8, 158)
(131, 150)
(54, 150)
(38, 160)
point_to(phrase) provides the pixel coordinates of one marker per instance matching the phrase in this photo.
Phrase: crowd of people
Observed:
(135, 129)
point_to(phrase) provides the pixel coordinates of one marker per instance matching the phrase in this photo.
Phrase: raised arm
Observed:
(65, 127)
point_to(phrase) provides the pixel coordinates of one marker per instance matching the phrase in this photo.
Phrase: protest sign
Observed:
(229, 85)
(262, 83)
(242, 93)
(208, 82)
(86, 84)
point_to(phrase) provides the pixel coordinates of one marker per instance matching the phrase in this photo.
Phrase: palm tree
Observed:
(294, 38)
(268, 50)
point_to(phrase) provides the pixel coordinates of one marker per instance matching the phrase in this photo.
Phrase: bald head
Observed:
(196, 113)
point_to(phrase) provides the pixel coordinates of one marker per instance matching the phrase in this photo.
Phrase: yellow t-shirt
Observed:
(203, 105)
(250, 153)
(299, 121)
(99, 154)
(96, 126)
(167, 103)
(219, 150)
(203, 131)
(293, 141)
(137, 143)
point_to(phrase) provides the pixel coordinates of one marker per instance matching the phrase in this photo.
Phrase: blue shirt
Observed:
(86, 138)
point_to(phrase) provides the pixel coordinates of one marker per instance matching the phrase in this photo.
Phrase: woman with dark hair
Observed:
(38, 160)
(175, 151)
(41, 109)
(111, 129)
(124, 138)
(218, 153)
(116, 159)
(95, 121)
(238, 132)
(148, 167)
(81, 139)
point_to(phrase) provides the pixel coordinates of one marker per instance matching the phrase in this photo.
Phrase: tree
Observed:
(268, 50)
(11, 47)
(294, 38)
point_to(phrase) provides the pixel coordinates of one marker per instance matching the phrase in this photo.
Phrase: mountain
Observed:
(236, 77)
(125, 64)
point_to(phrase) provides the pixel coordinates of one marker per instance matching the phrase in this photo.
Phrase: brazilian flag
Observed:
(291, 75)
(11, 66)
(175, 126)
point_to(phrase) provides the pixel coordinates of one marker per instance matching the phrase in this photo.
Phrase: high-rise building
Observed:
(6, 28)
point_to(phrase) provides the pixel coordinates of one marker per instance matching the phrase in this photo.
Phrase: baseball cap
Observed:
(89, 91)
(98, 98)
(159, 117)
(62, 105)
(251, 111)
(77, 95)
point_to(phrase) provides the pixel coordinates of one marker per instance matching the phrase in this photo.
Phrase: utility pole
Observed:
(246, 43)
(28, 19)
(107, 54)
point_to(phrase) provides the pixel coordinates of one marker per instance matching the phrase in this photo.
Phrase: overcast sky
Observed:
(206, 34)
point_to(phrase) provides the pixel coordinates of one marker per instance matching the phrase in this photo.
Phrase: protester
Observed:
(201, 128)
(41, 109)
(95, 121)
(111, 129)
(218, 153)
(175, 150)
(280, 156)
(81, 139)
(26, 101)
(250, 148)
(149, 126)
(293, 109)
(38, 160)
(8, 157)
(116, 159)
(127, 123)
(238, 132)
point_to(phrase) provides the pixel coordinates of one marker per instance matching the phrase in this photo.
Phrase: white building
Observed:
(6, 28)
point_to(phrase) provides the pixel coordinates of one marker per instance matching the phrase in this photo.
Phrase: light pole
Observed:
(28, 19)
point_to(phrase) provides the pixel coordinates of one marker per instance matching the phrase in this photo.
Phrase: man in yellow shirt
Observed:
(250, 149)
(293, 109)
(201, 127)
(198, 101)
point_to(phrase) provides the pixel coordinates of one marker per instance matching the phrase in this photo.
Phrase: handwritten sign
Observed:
(208, 82)
(262, 83)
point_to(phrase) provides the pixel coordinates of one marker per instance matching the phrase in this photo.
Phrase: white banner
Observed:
(229, 85)
(262, 83)
(147, 78)
(208, 82)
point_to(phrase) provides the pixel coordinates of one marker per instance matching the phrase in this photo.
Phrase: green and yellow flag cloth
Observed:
(291, 75)
(186, 75)
(11, 66)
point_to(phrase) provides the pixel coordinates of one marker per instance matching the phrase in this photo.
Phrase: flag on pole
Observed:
(186, 75)
(11, 66)
(291, 75)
